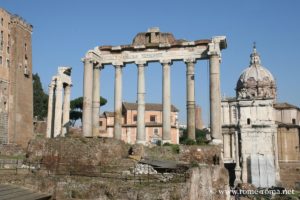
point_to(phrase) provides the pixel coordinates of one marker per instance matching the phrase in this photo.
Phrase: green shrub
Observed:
(158, 143)
(175, 148)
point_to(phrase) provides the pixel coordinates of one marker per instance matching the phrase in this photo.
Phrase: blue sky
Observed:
(65, 29)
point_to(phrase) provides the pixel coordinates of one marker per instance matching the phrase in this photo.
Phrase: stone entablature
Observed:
(153, 46)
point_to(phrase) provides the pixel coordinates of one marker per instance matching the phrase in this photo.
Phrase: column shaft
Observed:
(66, 109)
(58, 109)
(96, 100)
(141, 135)
(166, 135)
(50, 111)
(190, 96)
(87, 97)
(118, 103)
(215, 98)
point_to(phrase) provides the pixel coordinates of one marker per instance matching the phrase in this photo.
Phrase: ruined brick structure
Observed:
(16, 102)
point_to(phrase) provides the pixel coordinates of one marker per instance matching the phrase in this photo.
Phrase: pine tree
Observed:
(40, 98)
(76, 109)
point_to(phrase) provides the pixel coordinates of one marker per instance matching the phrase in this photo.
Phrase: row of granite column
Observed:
(91, 92)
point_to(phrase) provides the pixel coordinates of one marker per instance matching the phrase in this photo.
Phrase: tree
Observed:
(40, 98)
(76, 109)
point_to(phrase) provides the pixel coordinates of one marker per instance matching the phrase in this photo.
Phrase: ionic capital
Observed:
(118, 65)
(166, 62)
(98, 66)
(89, 60)
(141, 63)
(189, 60)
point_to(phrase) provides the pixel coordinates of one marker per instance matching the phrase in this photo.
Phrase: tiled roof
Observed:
(109, 114)
(148, 107)
(285, 105)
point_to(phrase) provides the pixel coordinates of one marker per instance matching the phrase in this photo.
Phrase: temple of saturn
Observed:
(59, 103)
(153, 46)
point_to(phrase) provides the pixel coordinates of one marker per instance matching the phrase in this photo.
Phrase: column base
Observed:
(216, 141)
(143, 142)
(166, 141)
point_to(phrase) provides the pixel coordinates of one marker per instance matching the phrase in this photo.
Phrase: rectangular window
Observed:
(134, 118)
(293, 121)
(155, 131)
(0, 60)
(8, 63)
(7, 49)
(1, 21)
(152, 118)
(100, 123)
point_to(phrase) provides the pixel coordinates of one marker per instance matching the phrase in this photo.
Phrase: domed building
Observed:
(256, 82)
(250, 118)
(261, 142)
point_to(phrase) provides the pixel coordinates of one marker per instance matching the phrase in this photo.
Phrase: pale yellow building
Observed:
(153, 123)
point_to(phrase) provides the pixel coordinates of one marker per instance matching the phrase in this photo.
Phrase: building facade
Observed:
(257, 130)
(153, 123)
(16, 101)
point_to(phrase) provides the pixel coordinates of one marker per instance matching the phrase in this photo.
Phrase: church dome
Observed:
(256, 82)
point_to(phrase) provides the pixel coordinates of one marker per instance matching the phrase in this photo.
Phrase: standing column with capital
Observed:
(96, 99)
(58, 108)
(66, 109)
(87, 97)
(190, 95)
(141, 134)
(50, 110)
(118, 102)
(214, 92)
(166, 134)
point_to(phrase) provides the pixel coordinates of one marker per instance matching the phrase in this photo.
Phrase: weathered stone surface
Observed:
(200, 154)
(79, 151)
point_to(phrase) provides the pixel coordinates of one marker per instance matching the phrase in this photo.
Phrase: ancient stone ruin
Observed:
(58, 110)
(153, 46)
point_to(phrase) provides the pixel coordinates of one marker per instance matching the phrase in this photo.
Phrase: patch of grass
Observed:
(194, 163)
(175, 147)
(16, 157)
